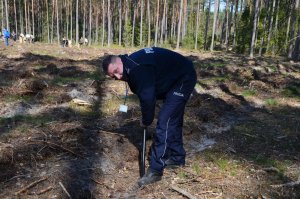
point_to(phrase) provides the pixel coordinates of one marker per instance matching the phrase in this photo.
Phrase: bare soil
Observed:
(61, 133)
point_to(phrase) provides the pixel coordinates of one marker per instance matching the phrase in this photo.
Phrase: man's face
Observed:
(115, 70)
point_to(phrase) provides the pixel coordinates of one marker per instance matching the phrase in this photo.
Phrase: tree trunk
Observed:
(234, 22)
(28, 16)
(77, 25)
(241, 8)
(227, 25)
(295, 54)
(25, 11)
(156, 24)
(90, 26)
(292, 33)
(109, 23)
(287, 31)
(256, 34)
(179, 24)
(197, 24)
(262, 37)
(57, 23)
(163, 24)
(52, 21)
(48, 25)
(141, 23)
(133, 26)
(103, 22)
(67, 18)
(21, 19)
(172, 21)
(184, 19)
(276, 27)
(214, 24)
(206, 24)
(40, 19)
(120, 22)
(32, 12)
(149, 23)
(126, 26)
(71, 21)
(2, 15)
(166, 24)
(254, 27)
(6, 15)
(271, 25)
(16, 20)
(83, 24)
(97, 25)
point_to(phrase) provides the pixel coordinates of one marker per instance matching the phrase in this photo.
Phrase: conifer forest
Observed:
(252, 27)
(63, 134)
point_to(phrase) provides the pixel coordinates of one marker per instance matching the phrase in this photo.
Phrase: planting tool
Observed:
(143, 153)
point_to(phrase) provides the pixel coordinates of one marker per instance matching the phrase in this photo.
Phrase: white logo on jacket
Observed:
(148, 50)
(178, 94)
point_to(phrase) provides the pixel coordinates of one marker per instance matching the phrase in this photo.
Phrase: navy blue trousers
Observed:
(167, 141)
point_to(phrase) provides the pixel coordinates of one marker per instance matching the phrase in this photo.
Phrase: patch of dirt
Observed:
(61, 132)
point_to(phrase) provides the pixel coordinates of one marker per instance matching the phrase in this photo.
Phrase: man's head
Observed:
(113, 66)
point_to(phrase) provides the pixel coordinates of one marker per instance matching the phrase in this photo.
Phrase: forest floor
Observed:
(61, 132)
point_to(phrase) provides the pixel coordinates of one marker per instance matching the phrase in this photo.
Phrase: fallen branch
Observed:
(44, 190)
(183, 192)
(80, 102)
(31, 185)
(289, 184)
(271, 169)
(61, 147)
(249, 135)
(18, 176)
(65, 190)
(96, 181)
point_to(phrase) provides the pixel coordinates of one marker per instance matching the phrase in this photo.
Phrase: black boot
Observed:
(170, 164)
(149, 178)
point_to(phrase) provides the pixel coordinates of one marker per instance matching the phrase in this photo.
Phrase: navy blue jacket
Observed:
(151, 73)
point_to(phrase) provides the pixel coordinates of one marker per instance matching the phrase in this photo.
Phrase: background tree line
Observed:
(255, 27)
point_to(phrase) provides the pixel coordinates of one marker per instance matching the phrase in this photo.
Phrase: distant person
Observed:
(65, 42)
(14, 35)
(6, 35)
(21, 38)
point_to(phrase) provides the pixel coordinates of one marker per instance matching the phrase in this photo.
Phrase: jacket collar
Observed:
(128, 65)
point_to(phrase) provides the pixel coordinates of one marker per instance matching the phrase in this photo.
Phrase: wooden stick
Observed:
(289, 184)
(31, 185)
(18, 176)
(183, 192)
(61, 147)
(97, 181)
(271, 169)
(45, 190)
(65, 190)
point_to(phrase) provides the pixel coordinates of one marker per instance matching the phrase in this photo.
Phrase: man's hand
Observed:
(142, 125)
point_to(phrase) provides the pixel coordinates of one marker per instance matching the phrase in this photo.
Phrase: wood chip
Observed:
(183, 192)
